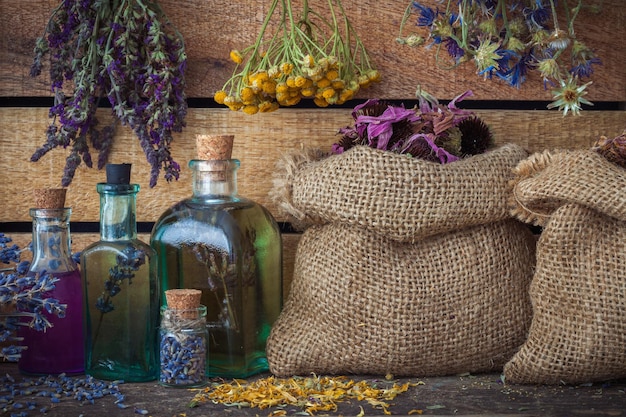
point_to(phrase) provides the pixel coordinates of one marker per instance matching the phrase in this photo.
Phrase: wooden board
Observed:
(458, 396)
(260, 141)
(212, 29)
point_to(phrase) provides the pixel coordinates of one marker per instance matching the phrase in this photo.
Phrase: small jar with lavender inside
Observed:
(183, 346)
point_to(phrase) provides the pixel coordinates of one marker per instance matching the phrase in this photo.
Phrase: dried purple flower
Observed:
(128, 53)
(430, 131)
(613, 149)
(476, 136)
(23, 298)
(128, 262)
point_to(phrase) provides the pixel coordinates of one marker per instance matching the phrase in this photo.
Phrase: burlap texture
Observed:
(400, 197)
(439, 291)
(578, 330)
(543, 182)
(360, 303)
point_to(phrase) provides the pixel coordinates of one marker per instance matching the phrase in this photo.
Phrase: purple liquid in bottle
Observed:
(60, 348)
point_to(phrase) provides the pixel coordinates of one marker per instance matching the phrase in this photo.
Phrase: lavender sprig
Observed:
(128, 262)
(128, 52)
(23, 298)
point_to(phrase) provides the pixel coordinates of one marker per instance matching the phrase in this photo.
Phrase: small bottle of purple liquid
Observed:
(59, 349)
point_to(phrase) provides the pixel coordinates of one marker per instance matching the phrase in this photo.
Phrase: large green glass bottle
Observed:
(229, 247)
(121, 289)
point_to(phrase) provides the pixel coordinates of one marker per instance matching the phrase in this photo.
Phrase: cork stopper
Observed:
(214, 147)
(50, 198)
(183, 302)
(118, 173)
(183, 299)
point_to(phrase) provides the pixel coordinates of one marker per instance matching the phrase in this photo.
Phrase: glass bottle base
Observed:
(224, 368)
(109, 372)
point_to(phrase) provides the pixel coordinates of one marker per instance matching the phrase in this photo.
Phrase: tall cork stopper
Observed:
(185, 301)
(50, 198)
(214, 147)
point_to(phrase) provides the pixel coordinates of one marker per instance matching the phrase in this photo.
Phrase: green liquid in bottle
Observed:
(230, 249)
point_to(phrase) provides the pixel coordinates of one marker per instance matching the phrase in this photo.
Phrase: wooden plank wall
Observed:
(211, 30)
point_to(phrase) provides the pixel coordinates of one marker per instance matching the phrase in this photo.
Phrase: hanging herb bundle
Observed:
(507, 40)
(309, 56)
(125, 51)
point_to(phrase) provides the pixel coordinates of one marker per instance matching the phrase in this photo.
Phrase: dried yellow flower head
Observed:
(317, 63)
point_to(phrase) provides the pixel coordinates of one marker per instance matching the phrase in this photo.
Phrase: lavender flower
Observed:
(37, 393)
(128, 52)
(128, 261)
(23, 298)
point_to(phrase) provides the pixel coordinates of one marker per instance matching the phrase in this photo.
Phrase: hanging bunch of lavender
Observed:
(23, 300)
(125, 51)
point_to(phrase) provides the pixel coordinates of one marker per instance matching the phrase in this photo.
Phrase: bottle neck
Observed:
(214, 180)
(118, 213)
(51, 241)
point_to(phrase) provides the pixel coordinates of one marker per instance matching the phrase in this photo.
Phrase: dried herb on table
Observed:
(123, 51)
(311, 394)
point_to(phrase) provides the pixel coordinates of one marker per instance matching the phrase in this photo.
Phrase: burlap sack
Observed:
(402, 198)
(434, 283)
(578, 331)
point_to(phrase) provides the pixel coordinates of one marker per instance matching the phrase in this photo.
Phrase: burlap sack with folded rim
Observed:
(405, 267)
(578, 331)
(400, 197)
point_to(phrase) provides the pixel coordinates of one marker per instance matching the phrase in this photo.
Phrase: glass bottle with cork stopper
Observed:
(229, 248)
(60, 349)
(183, 342)
(121, 289)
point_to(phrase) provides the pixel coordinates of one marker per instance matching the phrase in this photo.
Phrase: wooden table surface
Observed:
(469, 395)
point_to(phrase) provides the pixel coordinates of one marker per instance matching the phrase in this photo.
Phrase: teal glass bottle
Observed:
(59, 349)
(229, 247)
(121, 289)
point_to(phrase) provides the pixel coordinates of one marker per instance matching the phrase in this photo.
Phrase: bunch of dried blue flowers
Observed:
(508, 39)
(125, 51)
(430, 131)
(23, 298)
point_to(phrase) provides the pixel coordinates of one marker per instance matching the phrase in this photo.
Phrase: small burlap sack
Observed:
(402, 198)
(406, 267)
(578, 330)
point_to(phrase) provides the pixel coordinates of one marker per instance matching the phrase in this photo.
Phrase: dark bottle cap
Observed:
(118, 173)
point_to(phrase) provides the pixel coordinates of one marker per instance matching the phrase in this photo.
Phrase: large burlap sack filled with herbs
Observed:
(405, 266)
(578, 331)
